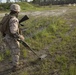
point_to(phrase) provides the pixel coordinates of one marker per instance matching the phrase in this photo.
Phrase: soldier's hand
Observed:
(21, 37)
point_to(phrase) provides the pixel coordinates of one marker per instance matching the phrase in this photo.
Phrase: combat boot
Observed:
(17, 67)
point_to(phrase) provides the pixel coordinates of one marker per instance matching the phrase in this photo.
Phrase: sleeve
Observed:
(13, 24)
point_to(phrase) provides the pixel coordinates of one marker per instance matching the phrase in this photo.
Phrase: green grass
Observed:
(55, 32)
(59, 36)
(1, 57)
(50, 29)
(24, 7)
(5, 7)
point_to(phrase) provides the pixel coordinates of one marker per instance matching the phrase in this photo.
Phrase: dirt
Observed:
(45, 13)
(55, 12)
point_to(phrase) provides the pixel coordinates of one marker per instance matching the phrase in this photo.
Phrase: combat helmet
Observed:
(15, 7)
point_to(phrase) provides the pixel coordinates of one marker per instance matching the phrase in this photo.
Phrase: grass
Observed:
(50, 29)
(53, 28)
(24, 7)
(59, 35)
(1, 57)
(5, 7)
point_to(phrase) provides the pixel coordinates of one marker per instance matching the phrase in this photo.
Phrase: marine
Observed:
(12, 34)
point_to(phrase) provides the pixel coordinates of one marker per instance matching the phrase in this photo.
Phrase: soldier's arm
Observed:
(13, 25)
(14, 22)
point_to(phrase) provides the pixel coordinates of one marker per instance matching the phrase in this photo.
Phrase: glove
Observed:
(21, 37)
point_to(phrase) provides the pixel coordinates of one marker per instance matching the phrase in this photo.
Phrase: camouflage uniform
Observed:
(12, 34)
(11, 42)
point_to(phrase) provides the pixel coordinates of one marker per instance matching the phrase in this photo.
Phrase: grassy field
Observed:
(24, 7)
(30, 7)
(55, 35)
(58, 34)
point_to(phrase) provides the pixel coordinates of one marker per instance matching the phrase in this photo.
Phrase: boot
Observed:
(17, 67)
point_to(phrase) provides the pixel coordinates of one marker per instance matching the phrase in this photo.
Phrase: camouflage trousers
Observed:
(14, 47)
